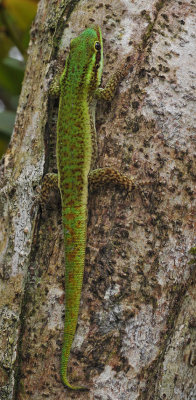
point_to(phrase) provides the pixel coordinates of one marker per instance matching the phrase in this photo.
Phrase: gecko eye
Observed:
(97, 46)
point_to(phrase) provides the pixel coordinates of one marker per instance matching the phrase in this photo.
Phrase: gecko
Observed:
(76, 151)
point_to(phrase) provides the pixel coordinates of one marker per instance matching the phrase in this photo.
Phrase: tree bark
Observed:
(136, 331)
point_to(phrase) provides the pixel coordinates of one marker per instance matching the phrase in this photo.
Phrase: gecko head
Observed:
(87, 54)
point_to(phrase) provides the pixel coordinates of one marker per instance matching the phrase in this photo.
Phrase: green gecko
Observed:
(76, 156)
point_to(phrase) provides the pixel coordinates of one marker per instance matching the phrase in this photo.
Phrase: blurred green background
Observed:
(16, 17)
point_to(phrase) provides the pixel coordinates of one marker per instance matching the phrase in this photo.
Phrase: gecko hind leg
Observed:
(49, 190)
(109, 175)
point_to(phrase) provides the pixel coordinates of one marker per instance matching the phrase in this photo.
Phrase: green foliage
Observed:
(7, 119)
(11, 75)
(15, 20)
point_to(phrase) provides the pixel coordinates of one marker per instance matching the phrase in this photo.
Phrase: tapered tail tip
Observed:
(71, 387)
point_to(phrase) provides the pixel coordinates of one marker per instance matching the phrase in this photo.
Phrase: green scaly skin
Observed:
(78, 83)
(76, 153)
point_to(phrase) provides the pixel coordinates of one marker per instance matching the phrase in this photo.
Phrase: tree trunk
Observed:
(136, 330)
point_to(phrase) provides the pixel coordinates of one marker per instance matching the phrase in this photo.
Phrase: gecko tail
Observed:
(64, 376)
(69, 386)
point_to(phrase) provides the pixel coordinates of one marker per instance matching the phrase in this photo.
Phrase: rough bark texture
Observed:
(136, 331)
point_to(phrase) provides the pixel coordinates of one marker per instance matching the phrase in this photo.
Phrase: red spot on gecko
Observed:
(71, 277)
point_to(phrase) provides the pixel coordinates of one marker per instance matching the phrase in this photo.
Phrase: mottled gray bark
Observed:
(136, 330)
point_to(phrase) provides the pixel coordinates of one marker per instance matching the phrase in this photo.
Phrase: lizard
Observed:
(76, 151)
